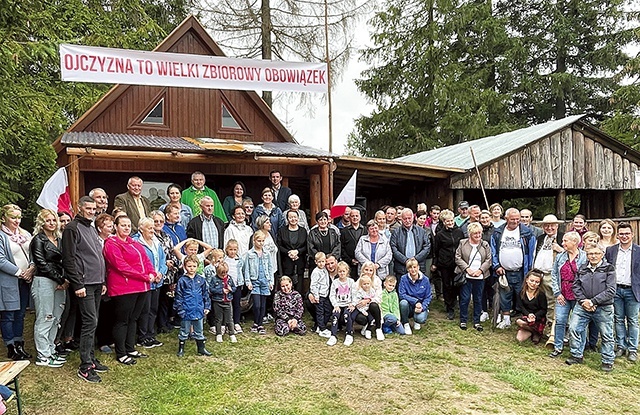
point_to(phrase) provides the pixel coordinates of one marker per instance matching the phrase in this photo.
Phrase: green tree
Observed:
(35, 106)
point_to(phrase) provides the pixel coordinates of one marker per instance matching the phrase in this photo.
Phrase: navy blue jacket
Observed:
(612, 257)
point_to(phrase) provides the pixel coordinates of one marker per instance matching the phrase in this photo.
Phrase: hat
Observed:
(550, 219)
(463, 204)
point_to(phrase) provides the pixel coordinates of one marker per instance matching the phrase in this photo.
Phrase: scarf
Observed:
(16, 236)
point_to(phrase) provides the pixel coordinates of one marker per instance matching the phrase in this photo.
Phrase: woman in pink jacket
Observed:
(129, 275)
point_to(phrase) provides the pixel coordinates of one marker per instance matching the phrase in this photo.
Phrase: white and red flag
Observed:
(347, 197)
(55, 193)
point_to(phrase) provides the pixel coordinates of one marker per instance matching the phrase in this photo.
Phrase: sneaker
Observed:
(364, 330)
(106, 349)
(632, 357)
(237, 328)
(269, 317)
(89, 375)
(261, 330)
(407, 329)
(620, 352)
(61, 351)
(254, 328)
(326, 333)
(212, 330)
(233, 338)
(367, 334)
(463, 326)
(71, 346)
(555, 353)
(574, 360)
(607, 367)
(59, 358)
(450, 315)
(504, 324)
(348, 340)
(332, 341)
(147, 344)
(219, 338)
(484, 316)
(379, 334)
(48, 362)
(223, 330)
(99, 367)
(156, 342)
(416, 326)
(478, 326)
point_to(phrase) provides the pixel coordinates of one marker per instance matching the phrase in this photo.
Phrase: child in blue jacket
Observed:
(221, 288)
(192, 303)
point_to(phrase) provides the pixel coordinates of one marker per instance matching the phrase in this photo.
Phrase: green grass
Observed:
(438, 370)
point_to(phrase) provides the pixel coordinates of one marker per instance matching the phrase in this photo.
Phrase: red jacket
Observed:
(128, 266)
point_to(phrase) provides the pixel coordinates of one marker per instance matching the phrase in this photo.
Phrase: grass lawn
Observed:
(439, 370)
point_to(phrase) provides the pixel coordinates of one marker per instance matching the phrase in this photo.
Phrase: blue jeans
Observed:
(603, 317)
(407, 311)
(390, 324)
(12, 322)
(562, 317)
(473, 288)
(515, 279)
(626, 307)
(49, 305)
(185, 327)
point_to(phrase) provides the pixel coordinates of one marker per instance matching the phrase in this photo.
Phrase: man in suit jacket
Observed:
(280, 192)
(626, 304)
(133, 203)
(409, 241)
(206, 227)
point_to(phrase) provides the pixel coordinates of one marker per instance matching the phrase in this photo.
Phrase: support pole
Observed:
(561, 204)
(475, 164)
(326, 192)
(314, 197)
(74, 180)
(618, 204)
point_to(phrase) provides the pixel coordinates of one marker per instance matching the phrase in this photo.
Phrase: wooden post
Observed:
(74, 180)
(314, 196)
(618, 204)
(561, 204)
(325, 184)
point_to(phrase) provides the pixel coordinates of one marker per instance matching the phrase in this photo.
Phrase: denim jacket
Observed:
(249, 264)
(561, 258)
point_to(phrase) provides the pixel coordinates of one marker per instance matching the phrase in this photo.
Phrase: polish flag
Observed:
(346, 198)
(55, 193)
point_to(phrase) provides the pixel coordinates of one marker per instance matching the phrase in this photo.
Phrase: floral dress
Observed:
(287, 307)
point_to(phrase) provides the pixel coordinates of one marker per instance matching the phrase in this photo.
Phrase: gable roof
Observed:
(190, 24)
(488, 149)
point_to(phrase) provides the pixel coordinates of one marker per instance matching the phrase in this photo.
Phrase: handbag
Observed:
(460, 279)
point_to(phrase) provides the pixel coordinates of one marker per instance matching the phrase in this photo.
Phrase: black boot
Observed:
(11, 352)
(180, 348)
(20, 350)
(201, 349)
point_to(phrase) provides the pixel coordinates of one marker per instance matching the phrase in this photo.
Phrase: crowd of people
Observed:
(112, 280)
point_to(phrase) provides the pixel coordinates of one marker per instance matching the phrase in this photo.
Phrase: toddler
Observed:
(221, 288)
(340, 296)
(319, 294)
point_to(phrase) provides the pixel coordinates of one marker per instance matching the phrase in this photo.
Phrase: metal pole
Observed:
(326, 46)
(475, 164)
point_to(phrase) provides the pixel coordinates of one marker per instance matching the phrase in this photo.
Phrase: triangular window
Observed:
(156, 115)
(228, 121)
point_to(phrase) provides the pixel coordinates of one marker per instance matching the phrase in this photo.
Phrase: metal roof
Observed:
(490, 148)
(188, 144)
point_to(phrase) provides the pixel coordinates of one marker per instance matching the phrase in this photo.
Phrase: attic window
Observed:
(228, 121)
(156, 115)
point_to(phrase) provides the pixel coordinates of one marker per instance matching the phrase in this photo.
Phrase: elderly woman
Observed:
(445, 244)
(48, 288)
(287, 304)
(239, 230)
(129, 276)
(374, 247)
(269, 209)
(152, 246)
(234, 200)
(292, 245)
(294, 205)
(174, 192)
(249, 207)
(607, 231)
(16, 273)
(323, 238)
(473, 257)
(564, 271)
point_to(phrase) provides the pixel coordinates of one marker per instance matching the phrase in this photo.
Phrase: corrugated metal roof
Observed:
(490, 148)
(188, 144)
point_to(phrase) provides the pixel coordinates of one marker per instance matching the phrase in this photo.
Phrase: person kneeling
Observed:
(534, 308)
(415, 296)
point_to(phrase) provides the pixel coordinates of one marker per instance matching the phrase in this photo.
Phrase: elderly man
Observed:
(547, 247)
(513, 247)
(409, 241)
(102, 200)
(206, 227)
(85, 270)
(626, 303)
(526, 216)
(474, 216)
(281, 193)
(194, 194)
(133, 203)
(349, 238)
(463, 214)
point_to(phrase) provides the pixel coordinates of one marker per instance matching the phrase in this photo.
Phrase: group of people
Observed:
(129, 275)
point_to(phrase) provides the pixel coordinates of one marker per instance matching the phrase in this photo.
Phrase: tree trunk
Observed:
(265, 34)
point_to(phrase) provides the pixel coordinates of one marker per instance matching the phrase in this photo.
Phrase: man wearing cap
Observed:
(547, 247)
(526, 216)
(463, 213)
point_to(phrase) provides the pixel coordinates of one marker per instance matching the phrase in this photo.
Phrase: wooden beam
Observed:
(326, 191)
(618, 204)
(177, 156)
(314, 197)
(561, 204)
(458, 196)
(74, 180)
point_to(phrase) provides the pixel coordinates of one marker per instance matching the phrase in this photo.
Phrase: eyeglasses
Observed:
(625, 234)
(594, 253)
(248, 207)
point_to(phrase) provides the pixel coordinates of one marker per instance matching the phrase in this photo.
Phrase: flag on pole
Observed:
(347, 197)
(55, 193)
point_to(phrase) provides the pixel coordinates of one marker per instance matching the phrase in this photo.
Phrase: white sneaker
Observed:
(416, 326)
(237, 328)
(326, 333)
(484, 316)
(233, 338)
(212, 330)
(223, 329)
(219, 338)
(407, 329)
(364, 330)
(367, 334)
(379, 334)
(348, 340)
(504, 324)
(332, 341)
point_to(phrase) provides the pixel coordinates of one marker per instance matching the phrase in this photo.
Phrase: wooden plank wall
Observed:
(565, 160)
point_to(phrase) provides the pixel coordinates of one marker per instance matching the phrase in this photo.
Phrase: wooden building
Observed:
(145, 131)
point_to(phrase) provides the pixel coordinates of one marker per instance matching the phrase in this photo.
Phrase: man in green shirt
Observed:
(194, 194)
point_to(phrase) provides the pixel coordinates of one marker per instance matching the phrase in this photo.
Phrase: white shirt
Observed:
(623, 266)
(544, 258)
(476, 262)
(511, 257)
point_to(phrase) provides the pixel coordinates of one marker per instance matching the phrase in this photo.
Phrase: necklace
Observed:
(323, 232)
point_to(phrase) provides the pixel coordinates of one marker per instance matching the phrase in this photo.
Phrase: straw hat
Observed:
(550, 219)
